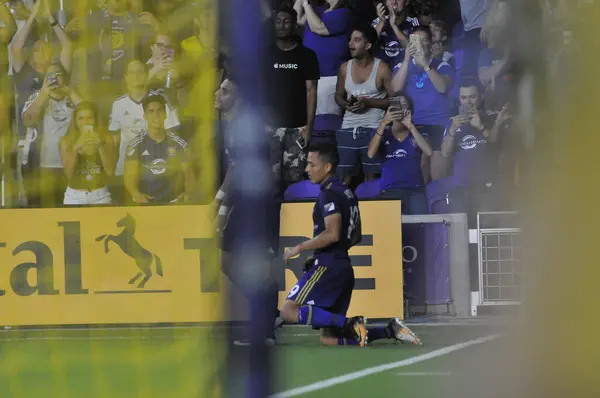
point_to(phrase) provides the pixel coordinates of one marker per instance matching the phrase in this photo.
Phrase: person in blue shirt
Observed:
(405, 154)
(326, 31)
(322, 295)
(470, 140)
(428, 82)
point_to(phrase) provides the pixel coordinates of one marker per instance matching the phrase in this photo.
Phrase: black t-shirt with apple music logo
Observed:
(286, 76)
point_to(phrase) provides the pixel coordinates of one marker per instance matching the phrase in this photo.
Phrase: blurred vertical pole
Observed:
(252, 182)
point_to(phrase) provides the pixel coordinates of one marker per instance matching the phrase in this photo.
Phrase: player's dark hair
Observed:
(368, 32)
(327, 152)
(286, 9)
(149, 99)
(471, 82)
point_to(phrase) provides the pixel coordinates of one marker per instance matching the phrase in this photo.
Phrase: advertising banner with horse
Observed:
(131, 265)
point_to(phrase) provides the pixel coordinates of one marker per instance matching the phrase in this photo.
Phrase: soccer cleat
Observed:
(357, 328)
(401, 332)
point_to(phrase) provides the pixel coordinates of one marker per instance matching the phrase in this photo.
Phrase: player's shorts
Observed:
(327, 286)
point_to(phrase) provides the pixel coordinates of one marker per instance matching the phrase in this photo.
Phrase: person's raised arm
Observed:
(314, 21)
(298, 6)
(399, 79)
(66, 51)
(18, 46)
(34, 108)
(442, 81)
(402, 39)
(10, 26)
(375, 142)
(381, 19)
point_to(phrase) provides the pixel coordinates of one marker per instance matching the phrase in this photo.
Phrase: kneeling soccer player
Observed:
(322, 296)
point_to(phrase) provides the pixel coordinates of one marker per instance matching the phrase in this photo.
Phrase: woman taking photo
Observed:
(88, 156)
(405, 156)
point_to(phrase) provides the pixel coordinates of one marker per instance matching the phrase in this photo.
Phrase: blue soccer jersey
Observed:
(337, 198)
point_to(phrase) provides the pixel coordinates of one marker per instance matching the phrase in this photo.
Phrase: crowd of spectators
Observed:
(107, 100)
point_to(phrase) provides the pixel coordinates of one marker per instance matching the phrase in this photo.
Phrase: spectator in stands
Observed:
(473, 13)
(394, 26)
(48, 111)
(88, 157)
(157, 169)
(495, 67)
(427, 81)
(362, 90)
(470, 140)
(426, 11)
(21, 14)
(30, 71)
(405, 156)
(439, 43)
(127, 120)
(164, 74)
(326, 33)
(112, 36)
(292, 72)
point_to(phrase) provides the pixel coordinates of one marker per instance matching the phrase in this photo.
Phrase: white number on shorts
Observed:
(293, 291)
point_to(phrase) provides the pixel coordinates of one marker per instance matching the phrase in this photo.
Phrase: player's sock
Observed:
(378, 333)
(318, 317)
(343, 341)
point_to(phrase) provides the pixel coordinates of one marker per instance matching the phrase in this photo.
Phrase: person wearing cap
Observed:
(157, 162)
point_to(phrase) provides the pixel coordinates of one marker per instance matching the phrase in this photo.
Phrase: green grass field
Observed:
(177, 362)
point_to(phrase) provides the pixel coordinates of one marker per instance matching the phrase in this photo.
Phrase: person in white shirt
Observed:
(47, 114)
(127, 119)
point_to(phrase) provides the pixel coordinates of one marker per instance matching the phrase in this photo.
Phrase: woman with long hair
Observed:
(404, 153)
(88, 156)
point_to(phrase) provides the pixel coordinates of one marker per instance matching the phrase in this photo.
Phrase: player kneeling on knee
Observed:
(322, 295)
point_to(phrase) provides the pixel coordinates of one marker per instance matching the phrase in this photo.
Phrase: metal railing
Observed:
(499, 249)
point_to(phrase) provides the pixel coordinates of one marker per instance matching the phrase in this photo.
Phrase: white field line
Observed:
(323, 384)
(423, 374)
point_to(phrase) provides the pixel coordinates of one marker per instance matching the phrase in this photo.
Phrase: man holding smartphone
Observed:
(470, 139)
(291, 76)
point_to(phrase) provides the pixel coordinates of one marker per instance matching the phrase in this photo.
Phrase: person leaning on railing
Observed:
(88, 156)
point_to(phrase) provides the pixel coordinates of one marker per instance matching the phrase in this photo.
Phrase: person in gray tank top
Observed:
(363, 89)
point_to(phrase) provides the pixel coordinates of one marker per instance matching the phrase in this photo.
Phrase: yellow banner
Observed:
(159, 264)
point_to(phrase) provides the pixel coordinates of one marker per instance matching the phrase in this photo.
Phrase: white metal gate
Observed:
(499, 260)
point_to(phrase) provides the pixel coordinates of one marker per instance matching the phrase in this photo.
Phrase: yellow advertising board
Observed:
(119, 265)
